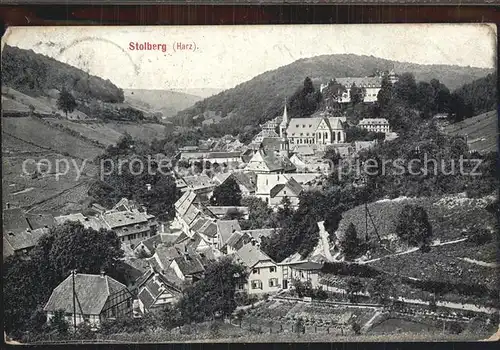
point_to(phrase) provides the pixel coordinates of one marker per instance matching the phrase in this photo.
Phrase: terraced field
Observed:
(101, 132)
(145, 132)
(33, 131)
(110, 132)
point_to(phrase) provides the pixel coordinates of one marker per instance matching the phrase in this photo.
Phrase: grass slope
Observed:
(35, 132)
(17, 102)
(451, 217)
(481, 131)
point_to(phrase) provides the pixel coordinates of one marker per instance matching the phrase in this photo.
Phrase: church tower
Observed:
(283, 135)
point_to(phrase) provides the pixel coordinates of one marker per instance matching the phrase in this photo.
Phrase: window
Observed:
(256, 284)
(303, 126)
(284, 192)
(272, 269)
(310, 125)
(256, 271)
(297, 125)
(273, 282)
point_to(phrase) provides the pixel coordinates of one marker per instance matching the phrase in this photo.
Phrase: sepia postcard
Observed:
(288, 183)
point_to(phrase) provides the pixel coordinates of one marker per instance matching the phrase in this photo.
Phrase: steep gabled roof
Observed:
(244, 179)
(190, 264)
(92, 291)
(225, 229)
(124, 218)
(14, 219)
(209, 229)
(250, 255)
(183, 203)
(292, 185)
(40, 221)
(23, 239)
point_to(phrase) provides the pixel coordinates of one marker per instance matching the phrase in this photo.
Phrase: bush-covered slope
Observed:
(35, 74)
(481, 94)
(263, 97)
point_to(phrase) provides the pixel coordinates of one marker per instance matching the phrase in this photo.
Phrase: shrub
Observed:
(356, 327)
(214, 329)
(480, 236)
(456, 328)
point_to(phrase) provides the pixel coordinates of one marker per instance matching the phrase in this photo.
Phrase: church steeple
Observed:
(283, 135)
(284, 122)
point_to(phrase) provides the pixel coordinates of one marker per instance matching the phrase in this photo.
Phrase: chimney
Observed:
(103, 274)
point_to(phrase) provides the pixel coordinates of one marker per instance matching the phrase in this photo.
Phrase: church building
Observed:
(319, 129)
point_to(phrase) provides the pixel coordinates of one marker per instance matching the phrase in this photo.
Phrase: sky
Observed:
(221, 57)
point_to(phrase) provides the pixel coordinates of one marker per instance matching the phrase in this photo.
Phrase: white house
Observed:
(290, 189)
(266, 182)
(375, 125)
(267, 163)
(264, 276)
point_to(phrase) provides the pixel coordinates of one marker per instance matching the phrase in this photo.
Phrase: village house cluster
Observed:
(282, 161)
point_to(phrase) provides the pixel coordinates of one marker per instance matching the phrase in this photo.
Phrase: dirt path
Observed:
(324, 239)
(436, 244)
(370, 322)
(480, 263)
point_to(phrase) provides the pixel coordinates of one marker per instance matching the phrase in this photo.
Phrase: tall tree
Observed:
(406, 88)
(357, 94)
(260, 215)
(213, 295)
(305, 101)
(66, 102)
(425, 99)
(332, 94)
(350, 244)
(227, 193)
(383, 289)
(385, 93)
(414, 226)
(354, 286)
